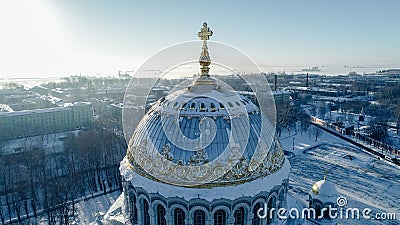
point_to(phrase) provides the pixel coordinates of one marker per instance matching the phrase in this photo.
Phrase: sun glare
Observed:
(30, 36)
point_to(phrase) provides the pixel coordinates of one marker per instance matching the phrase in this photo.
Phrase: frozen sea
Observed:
(329, 70)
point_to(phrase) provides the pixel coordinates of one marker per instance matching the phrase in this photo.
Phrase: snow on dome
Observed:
(5, 108)
(324, 190)
(251, 188)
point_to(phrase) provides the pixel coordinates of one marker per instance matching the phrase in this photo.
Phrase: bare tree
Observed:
(316, 132)
(378, 129)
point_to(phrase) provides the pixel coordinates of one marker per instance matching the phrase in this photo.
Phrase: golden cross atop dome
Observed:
(205, 60)
(205, 32)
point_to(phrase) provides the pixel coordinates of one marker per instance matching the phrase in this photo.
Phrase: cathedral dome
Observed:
(205, 134)
(194, 126)
(202, 153)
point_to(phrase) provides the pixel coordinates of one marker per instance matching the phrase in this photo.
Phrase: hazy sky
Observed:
(58, 38)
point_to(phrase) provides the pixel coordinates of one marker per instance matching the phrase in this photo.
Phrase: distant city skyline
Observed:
(43, 38)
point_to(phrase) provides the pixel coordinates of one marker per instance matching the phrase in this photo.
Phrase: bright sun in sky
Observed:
(33, 43)
(31, 37)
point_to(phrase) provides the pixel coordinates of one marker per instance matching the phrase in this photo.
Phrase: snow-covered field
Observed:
(51, 143)
(87, 210)
(364, 181)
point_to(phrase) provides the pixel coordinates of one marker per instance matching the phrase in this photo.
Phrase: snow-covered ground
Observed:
(52, 143)
(88, 209)
(351, 118)
(365, 181)
(304, 140)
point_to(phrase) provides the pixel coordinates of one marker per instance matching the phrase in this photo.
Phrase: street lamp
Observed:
(293, 143)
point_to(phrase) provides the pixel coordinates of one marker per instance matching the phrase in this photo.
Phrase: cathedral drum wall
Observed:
(247, 198)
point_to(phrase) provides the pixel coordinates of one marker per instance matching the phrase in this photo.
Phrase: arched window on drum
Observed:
(179, 217)
(161, 215)
(220, 217)
(239, 216)
(199, 217)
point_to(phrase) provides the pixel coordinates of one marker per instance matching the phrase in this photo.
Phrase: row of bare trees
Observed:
(37, 183)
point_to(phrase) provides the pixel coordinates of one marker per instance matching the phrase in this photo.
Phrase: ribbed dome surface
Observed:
(189, 117)
(198, 125)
